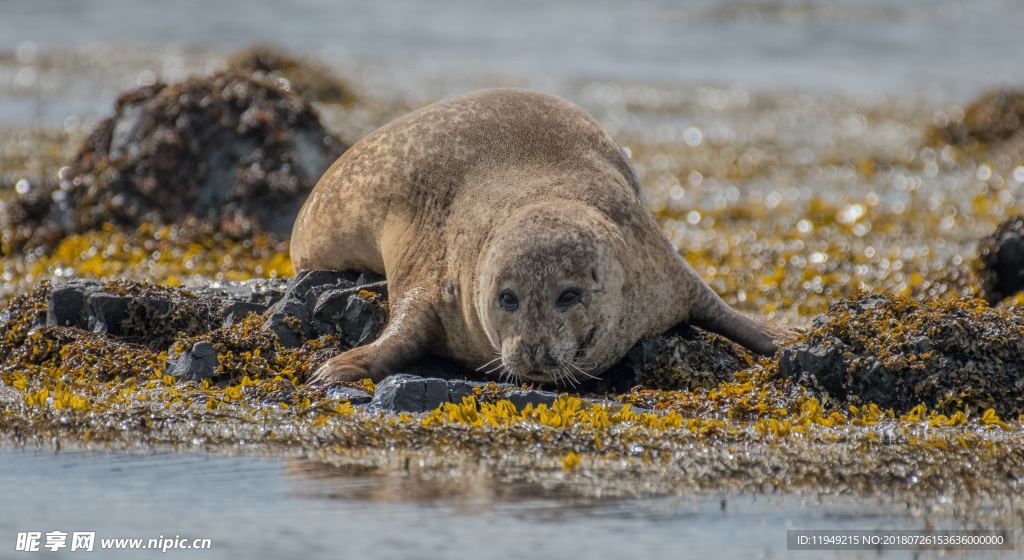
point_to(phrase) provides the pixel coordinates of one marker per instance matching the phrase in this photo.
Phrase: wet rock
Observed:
(307, 78)
(995, 116)
(362, 320)
(196, 364)
(523, 397)
(319, 303)
(290, 318)
(411, 393)
(949, 355)
(227, 149)
(1000, 266)
(351, 394)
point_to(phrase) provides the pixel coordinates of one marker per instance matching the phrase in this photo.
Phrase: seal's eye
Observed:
(508, 301)
(568, 298)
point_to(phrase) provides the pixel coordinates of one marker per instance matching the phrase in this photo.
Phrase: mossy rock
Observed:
(949, 355)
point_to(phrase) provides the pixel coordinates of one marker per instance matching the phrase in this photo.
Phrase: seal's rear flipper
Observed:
(713, 314)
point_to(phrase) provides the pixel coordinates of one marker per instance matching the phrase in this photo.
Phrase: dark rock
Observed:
(66, 305)
(228, 150)
(196, 364)
(238, 310)
(898, 353)
(410, 393)
(319, 302)
(826, 363)
(309, 284)
(329, 309)
(1000, 264)
(351, 394)
(108, 312)
(362, 321)
(523, 397)
(260, 291)
(289, 320)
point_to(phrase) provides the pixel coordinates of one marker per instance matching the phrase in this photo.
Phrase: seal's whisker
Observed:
(573, 382)
(489, 363)
(494, 369)
(586, 373)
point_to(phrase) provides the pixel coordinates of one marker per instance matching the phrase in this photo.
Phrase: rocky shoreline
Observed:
(233, 154)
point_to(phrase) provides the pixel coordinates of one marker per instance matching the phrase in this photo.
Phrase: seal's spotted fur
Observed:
(504, 191)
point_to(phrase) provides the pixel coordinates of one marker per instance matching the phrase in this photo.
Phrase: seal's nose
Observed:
(531, 349)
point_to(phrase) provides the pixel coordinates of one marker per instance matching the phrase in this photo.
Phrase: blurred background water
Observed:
(944, 48)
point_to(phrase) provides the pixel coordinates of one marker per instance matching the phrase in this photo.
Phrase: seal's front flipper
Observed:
(713, 314)
(406, 337)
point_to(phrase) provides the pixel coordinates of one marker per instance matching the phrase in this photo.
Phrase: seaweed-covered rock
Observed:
(139, 313)
(1000, 264)
(949, 355)
(997, 115)
(154, 315)
(305, 77)
(682, 359)
(229, 149)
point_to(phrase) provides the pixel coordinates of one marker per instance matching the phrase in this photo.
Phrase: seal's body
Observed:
(512, 232)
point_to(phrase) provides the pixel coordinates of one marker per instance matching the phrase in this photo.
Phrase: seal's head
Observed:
(550, 293)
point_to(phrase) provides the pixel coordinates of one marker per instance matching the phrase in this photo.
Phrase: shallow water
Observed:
(277, 508)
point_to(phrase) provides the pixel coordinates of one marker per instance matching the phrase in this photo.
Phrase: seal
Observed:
(514, 238)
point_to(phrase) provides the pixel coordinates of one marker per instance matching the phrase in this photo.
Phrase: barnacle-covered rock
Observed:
(997, 115)
(229, 149)
(897, 353)
(1000, 265)
(305, 77)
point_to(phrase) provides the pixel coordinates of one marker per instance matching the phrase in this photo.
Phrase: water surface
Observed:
(261, 507)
